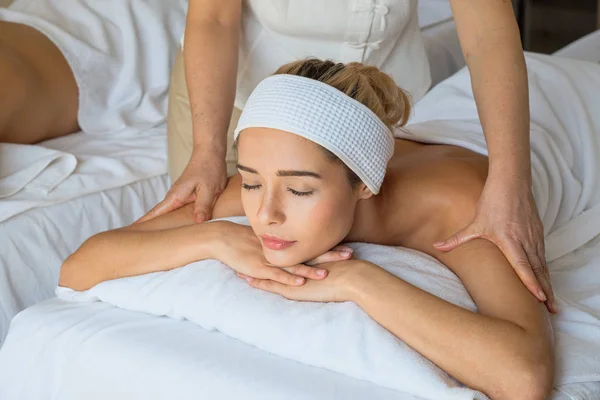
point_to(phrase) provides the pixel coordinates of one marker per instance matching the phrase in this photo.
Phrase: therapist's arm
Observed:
(211, 59)
(507, 214)
(489, 37)
(210, 56)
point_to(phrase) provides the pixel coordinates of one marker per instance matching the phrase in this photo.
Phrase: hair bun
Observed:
(367, 84)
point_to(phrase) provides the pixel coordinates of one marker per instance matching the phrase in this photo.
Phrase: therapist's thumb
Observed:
(203, 206)
(164, 207)
(459, 238)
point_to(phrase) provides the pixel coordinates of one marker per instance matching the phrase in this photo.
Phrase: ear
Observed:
(364, 192)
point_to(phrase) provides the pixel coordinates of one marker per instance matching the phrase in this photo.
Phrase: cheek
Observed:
(325, 224)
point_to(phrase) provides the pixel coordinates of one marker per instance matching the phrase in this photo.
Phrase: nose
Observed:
(270, 211)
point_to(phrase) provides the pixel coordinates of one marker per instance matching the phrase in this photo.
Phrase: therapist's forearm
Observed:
(490, 41)
(499, 79)
(210, 59)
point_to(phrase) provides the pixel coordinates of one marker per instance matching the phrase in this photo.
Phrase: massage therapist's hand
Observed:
(508, 217)
(240, 249)
(336, 287)
(202, 181)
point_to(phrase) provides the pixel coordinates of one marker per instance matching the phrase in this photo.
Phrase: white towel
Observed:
(337, 336)
(36, 168)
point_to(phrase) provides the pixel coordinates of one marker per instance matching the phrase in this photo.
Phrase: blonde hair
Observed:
(366, 84)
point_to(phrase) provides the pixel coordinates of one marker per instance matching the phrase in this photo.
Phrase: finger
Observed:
(551, 303)
(459, 238)
(284, 277)
(341, 247)
(330, 256)
(269, 286)
(307, 272)
(203, 206)
(517, 257)
(541, 274)
(167, 205)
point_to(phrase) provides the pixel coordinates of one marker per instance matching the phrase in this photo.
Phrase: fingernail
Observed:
(249, 279)
(438, 243)
(541, 295)
(299, 281)
(321, 272)
(345, 254)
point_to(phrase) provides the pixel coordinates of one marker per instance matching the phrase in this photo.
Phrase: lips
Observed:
(274, 243)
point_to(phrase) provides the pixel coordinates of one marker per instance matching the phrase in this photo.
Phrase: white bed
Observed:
(66, 350)
(116, 180)
(587, 48)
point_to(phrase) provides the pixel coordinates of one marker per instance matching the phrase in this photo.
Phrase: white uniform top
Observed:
(384, 33)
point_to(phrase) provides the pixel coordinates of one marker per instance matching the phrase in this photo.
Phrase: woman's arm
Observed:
(504, 350)
(160, 244)
(120, 253)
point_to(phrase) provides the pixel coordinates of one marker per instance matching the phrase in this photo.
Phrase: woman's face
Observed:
(299, 203)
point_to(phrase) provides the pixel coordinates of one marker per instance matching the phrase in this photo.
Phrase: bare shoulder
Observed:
(426, 186)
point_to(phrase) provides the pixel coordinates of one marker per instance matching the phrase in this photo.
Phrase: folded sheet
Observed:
(38, 168)
(72, 166)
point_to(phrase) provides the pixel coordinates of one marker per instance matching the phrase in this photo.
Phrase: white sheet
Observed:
(434, 12)
(103, 162)
(587, 48)
(118, 178)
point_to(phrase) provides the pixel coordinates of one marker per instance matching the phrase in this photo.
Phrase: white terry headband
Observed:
(326, 116)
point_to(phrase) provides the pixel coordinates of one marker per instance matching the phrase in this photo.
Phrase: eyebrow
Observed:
(282, 172)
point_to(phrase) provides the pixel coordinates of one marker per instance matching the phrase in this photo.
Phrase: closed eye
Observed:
(250, 187)
(297, 193)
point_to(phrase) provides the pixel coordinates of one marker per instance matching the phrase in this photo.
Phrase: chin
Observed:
(283, 258)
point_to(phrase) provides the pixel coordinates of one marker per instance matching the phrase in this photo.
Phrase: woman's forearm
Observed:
(482, 352)
(210, 59)
(121, 253)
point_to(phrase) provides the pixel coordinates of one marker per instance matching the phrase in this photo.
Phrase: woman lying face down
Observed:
(318, 166)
